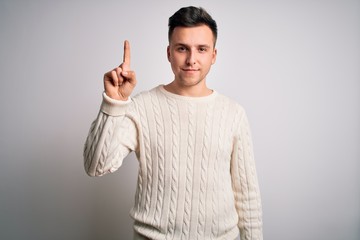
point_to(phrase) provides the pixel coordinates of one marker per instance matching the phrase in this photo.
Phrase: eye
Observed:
(202, 49)
(181, 49)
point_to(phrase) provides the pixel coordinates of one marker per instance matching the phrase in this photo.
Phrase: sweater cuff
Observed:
(114, 107)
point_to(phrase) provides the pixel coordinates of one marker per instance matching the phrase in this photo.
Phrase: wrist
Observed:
(116, 96)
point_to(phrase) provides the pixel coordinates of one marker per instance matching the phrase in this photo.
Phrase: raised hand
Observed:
(120, 82)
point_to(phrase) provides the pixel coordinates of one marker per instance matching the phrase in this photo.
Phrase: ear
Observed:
(214, 54)
(168, 53)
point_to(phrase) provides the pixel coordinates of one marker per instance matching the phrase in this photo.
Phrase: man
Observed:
(197, 177)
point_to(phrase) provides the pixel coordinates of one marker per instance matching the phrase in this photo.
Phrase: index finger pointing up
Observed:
(126, 58)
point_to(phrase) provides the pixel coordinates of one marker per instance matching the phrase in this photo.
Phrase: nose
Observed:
(191, 58)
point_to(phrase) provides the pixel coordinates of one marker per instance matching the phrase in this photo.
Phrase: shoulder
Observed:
(230, 103)
(147, 93)
(147, 99)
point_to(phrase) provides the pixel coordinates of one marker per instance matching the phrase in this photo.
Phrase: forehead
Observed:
(198, 35)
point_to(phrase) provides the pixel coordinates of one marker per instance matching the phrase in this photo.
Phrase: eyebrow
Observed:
(185, 45)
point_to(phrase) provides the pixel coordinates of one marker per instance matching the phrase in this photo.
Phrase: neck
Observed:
(198, 90)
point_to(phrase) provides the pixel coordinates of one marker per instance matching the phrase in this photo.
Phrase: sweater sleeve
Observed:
(245, 184)
(112, 136)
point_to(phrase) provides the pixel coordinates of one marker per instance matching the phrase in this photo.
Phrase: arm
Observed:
(112, 136)
(245, 184)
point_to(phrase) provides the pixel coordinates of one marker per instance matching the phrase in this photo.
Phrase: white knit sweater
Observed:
(197, 177)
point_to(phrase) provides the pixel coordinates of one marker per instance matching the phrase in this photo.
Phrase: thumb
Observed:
(130, 77)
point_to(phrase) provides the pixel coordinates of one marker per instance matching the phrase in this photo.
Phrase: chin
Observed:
(190, 82)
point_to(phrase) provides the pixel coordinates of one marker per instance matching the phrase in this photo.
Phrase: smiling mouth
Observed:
(190, 70)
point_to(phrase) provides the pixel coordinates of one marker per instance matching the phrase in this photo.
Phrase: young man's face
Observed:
(191, 53)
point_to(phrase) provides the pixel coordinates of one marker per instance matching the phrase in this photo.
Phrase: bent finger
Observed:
(118, 71)
(117, 79)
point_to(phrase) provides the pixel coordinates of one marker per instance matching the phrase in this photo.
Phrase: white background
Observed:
(293, 65)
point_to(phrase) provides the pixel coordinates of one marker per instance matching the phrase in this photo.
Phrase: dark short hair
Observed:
(192, 17)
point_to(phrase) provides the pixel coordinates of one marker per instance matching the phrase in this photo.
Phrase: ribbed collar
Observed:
(187, 98)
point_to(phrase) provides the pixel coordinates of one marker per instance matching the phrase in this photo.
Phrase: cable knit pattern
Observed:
(147, 152)
(203, 177)
(216, 225)
(160, 154)
(174, 160)
(197, 176)
(189, 170)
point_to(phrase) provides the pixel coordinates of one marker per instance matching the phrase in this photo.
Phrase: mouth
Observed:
(190, 70)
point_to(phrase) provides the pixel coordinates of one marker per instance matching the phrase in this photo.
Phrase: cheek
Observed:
(209, 61)
(212, 57)
(174, 63)
(175, 60)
